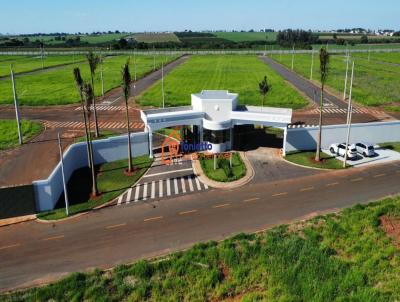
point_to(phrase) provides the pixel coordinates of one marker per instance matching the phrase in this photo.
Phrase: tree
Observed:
(324, 69)
(264, 88)
(79, 84)
(126, 87)
(94, 60)
(88, 96)
(364, 39)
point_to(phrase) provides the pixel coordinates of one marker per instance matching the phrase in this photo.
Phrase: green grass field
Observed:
(57, 87)
(336, 257)
(385, 57)
(29, 63)
(361, 46)
(246, 36)
(9, 132)
(240, 74)
(307, 159)
(223, 171)
(155, 37)
(375, 84)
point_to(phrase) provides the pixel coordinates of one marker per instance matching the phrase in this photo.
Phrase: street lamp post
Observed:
(349, 111)
(16, 105)
(63, 176)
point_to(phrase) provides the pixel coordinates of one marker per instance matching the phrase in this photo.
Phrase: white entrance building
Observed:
(215, 113)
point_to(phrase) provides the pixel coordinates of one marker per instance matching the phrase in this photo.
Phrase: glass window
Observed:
(216, 136)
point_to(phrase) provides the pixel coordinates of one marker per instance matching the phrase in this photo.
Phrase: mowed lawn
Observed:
(57, 87)
(240, 74)
(375, 84)
(29, 63)
(385, 57)
(9, 132)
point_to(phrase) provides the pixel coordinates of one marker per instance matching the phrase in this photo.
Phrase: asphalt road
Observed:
(32, 253)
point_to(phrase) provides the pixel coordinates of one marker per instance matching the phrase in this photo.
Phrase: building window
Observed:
(216, 136)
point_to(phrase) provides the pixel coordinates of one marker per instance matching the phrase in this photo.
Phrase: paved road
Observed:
(34, 252)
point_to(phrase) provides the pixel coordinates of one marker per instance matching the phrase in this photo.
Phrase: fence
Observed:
(301, 139)
(48, 191)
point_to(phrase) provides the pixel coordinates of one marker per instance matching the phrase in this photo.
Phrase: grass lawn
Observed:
(391, 146)
(9, 132)
(375, 84)
(360, 46)
(57, 87)
(111, 182)
(307, 159)
(236, 73)
(246, 36)
(337, 257)
(223, 173)
(30, 63)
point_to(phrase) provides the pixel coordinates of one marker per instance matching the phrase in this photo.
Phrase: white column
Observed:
(150, 142)
(284, 141)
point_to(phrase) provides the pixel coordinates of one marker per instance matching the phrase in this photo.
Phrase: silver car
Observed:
(365, 149)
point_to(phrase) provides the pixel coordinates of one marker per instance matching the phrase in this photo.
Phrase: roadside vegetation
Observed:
(56, 87)
(392, 146)
(307, 158)
(236, 73)
(348, 256)
(111, 182)
(9, 132)
(384, 92)
(223, 172)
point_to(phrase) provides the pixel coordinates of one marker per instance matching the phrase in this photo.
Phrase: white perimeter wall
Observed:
(301, 139)
(48, 191)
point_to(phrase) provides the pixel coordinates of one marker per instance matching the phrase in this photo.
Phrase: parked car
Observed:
(339, 149)
(365, 149)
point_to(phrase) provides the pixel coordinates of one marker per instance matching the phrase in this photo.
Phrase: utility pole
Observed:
(41, 53)
(312, 65)
(162, 84)
(102, 80)
(293, 57)
(349, 115)
(16, 105)
(63, 176)
(345, 81)
(154, 59)
(369, 53)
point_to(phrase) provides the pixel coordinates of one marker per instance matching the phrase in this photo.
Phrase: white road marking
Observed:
(167, 172)
(153, 189)
(128, 196)
(145, 191)
(189, 179)
(198, 183)
(120, 199)
(137, 191)
(183, 184)
(168, 187)
(176, 186)
(160, 188)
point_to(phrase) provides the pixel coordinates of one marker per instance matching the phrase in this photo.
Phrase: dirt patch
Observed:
(391, 226)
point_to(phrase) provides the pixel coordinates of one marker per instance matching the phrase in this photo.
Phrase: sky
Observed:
(33, 16)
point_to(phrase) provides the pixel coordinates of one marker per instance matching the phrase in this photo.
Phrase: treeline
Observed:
(297, 38)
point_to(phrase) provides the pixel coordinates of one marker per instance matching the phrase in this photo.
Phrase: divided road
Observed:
(32, 253)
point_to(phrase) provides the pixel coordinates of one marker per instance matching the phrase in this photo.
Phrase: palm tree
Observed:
(94, 60)
(264, 88)
(126, 87)
(79, 85)
(324, 69)
(88, 99)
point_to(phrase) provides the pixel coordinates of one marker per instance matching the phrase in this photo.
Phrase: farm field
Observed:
(329, 36)
(30, 63)
(360, 46)
(155, 37)
(240, 74)
(246, 36)
(57, 87)
(347, 256)
(375, 84)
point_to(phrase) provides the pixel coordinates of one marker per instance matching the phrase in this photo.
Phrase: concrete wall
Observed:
(300, 139)
(48, 191)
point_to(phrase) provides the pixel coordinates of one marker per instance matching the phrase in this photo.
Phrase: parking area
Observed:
(380, 156)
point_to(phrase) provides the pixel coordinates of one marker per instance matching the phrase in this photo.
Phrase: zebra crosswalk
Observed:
(344, 111)
(157, 189)
(104, 108)
(103, 125)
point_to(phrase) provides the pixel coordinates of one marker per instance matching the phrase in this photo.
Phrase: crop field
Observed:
(246, 36)
(375, 84)
(240, 74)
(354, 36)
(57, 87)
(29, 63)
(155, 37)
(347, 256)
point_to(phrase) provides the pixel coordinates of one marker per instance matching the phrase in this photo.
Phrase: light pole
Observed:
(293, 57)
(349, 115)
(16, 105)
(63, 176)
(312, 65)
(162, 84)
(102, 80)
(345, 81)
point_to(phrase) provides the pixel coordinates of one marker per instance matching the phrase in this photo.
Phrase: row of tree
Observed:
(88, 103)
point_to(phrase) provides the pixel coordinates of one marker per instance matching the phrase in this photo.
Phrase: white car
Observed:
(365, 149)
(339, 149)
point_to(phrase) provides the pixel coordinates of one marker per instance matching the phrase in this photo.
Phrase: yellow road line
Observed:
(153, 218)
(251, 199)
(379, 175)
(9, 246)
(187, 212)
(53, 238)
(356, 179)
(332, 184)
(116, 226)
(221, 205)
(279, 194)
(306, 189)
